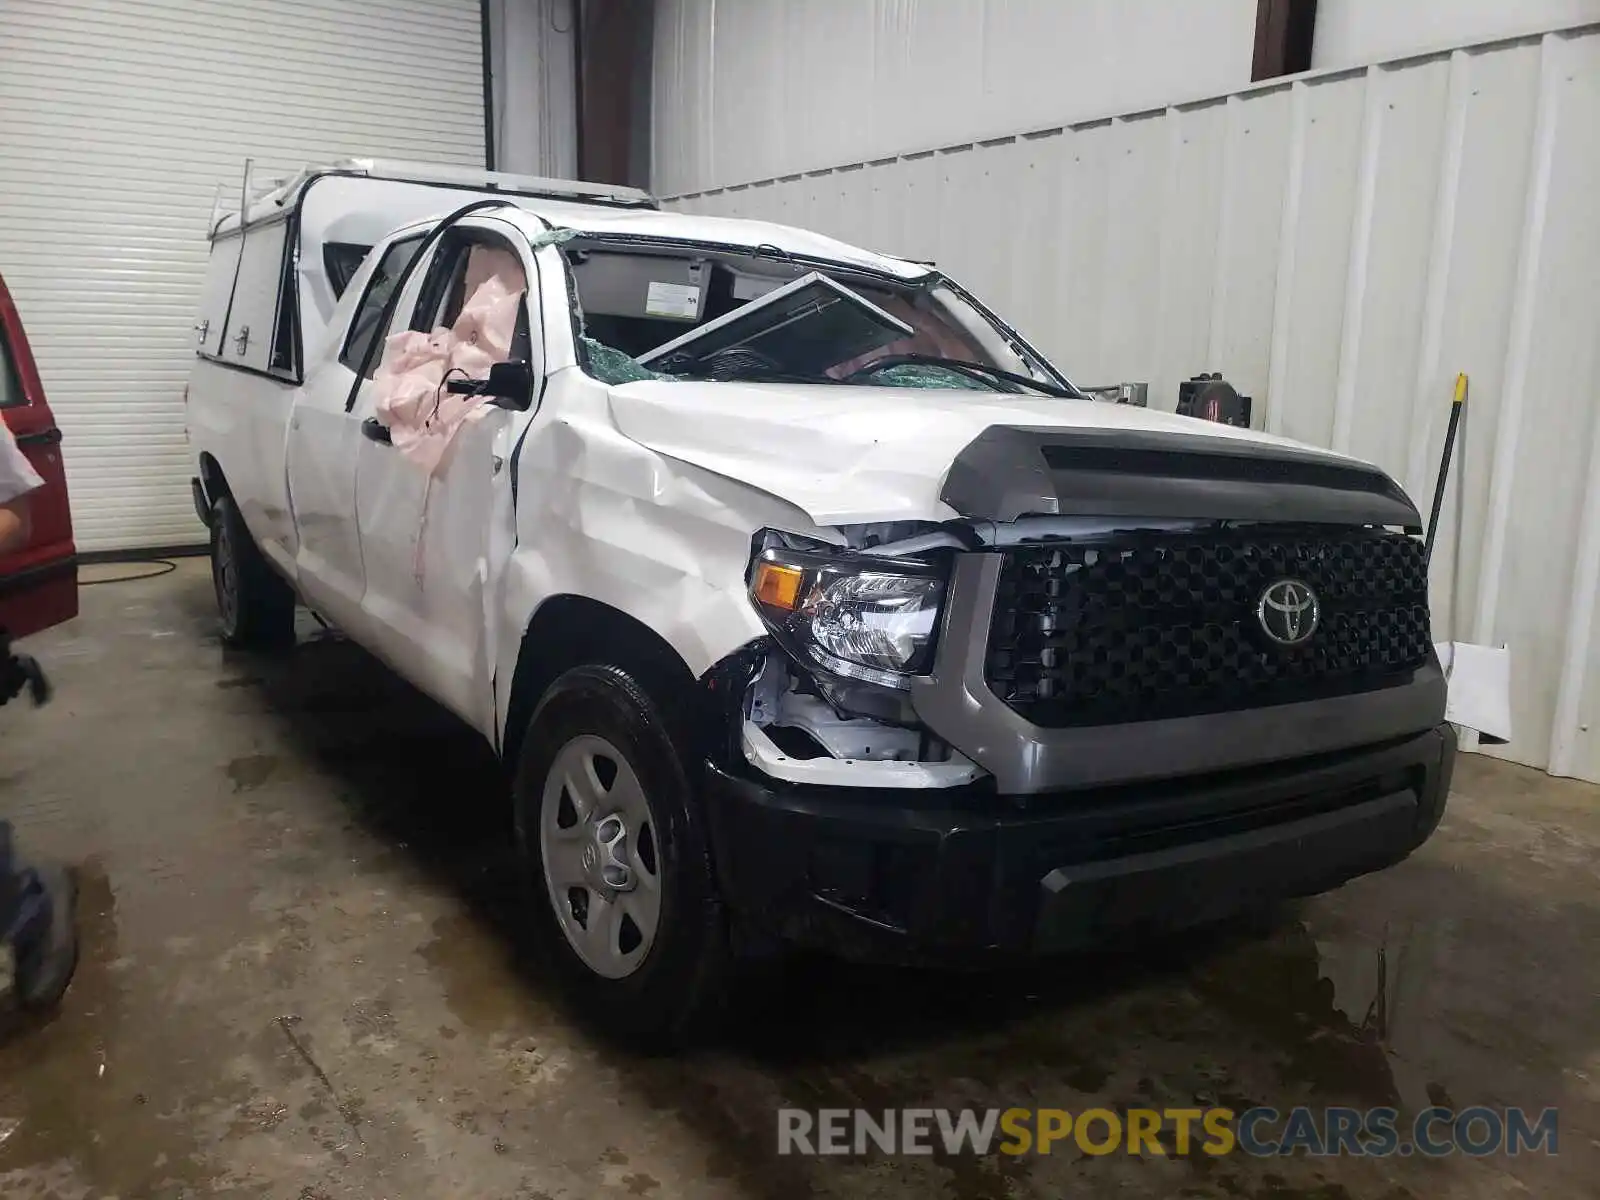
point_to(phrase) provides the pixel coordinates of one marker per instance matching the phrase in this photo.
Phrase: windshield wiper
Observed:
(982, 372)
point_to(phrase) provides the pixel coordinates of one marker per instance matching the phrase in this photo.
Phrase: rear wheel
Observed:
(626, 903)
(255, 606)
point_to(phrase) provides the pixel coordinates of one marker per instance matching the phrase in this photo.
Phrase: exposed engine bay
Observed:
(792, 732)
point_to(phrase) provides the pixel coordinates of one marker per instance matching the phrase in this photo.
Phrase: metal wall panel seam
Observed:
(1355, 288)
(1578, 644)
(1321, 76)
(1428, 398)
(1164, 248)
(1283, 288)
(1520, 344)
(1107, 318)
(1067, 210)
(709, 126)
(1232, 136)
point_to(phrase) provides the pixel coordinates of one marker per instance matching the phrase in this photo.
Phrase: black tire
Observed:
(254, 605)
(681, 979)
(44, 972)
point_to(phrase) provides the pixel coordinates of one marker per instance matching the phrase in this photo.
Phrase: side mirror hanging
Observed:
(510, 384)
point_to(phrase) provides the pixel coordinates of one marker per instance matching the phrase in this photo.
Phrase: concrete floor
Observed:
(302, 977)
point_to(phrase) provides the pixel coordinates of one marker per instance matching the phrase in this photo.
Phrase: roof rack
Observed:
(492, 181)
(260, 196)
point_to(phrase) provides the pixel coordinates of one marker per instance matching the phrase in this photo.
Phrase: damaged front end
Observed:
(1064, 713)
(826, 699)
(827, 798)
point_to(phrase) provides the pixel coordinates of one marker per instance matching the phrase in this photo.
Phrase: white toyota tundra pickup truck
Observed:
(805, 602)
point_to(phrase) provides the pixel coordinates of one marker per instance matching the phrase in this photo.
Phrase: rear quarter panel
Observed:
(241, 420)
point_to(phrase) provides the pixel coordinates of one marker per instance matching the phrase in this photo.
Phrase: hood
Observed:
(862, 454)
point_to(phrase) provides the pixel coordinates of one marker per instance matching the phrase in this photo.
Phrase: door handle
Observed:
(376, 431)
(243, 339)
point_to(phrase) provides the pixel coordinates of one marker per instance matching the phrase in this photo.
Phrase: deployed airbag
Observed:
(422, 416)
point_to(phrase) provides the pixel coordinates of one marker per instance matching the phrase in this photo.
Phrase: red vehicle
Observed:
(39, 581)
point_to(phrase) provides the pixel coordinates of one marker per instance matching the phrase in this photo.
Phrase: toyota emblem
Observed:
(1289, 611)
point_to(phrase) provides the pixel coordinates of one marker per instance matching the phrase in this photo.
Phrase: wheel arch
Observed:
(212, 478)
(570, 630)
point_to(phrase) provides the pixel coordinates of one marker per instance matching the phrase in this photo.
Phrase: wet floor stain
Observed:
(1278, 989)
(251, 771)
(326, 989)
(78, 1089)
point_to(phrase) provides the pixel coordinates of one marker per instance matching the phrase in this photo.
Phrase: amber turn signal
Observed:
(777, 585)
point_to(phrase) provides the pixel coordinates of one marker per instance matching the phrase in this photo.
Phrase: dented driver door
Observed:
(425, 543)
(426, 537)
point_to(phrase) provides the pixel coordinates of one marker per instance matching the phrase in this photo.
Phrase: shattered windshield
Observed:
(667, 312)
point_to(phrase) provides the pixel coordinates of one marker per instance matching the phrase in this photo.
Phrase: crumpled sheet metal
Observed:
(878, 454)
(599, 515)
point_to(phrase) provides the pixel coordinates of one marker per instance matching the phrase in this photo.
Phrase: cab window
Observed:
(10, 382)
(364, 330)
(341, 261)
(444, 290)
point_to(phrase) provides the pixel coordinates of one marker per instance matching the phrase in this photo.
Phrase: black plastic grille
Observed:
(1157, 625)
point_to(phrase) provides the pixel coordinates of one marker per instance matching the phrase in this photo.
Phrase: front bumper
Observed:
(924, 876)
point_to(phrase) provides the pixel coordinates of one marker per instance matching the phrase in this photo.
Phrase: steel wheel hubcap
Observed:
(597, 837)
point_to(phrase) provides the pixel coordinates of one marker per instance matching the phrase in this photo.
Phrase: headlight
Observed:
(873, 621)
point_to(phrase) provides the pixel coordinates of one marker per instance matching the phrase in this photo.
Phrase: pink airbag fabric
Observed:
(411, 399)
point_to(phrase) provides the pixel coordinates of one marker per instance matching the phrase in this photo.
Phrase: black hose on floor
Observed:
(164, 566)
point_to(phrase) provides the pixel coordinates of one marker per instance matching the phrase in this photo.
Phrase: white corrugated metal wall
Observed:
(1340, 246)
(117, 120)
(1356, 32)
(745, 89)
(535, 91)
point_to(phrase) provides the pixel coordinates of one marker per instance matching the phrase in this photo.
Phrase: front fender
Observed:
(665, 542)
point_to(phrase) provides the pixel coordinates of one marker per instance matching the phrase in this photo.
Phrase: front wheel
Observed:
(626, 903)
(255, 606)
